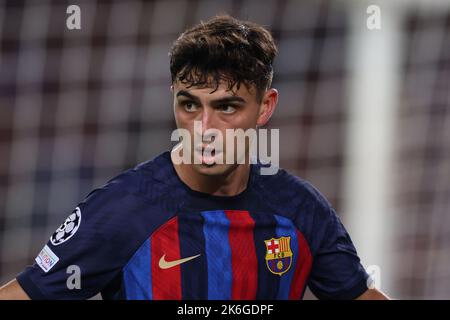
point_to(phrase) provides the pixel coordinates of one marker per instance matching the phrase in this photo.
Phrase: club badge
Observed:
(278, 255)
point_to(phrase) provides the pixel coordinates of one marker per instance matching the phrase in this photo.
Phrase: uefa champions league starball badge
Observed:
(67, 229)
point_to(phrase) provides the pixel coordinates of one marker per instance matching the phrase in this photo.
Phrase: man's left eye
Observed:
(227, 109)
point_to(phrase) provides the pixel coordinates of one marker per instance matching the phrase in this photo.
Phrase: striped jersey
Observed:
(147, 235)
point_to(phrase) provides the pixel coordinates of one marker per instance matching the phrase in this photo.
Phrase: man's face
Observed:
(222, 109)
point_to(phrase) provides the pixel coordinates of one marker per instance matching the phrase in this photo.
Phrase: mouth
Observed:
(206, 155)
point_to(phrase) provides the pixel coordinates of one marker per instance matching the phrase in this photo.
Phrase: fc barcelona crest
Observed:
(278, 255)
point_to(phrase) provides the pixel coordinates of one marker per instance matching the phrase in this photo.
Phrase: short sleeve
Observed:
(90, 248)
(336, 271)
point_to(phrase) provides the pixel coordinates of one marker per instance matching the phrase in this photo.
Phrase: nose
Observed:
(207, 122)
(207, 118)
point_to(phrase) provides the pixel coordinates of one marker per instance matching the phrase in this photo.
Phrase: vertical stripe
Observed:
(218, 254)
(243, 255)
(302, 268)
(194, 275)
(265, 226)
(285, 228)
(137, 276)
(166, 283)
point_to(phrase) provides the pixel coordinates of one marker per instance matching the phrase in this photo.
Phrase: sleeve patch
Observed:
(46, 259)
(67, 229)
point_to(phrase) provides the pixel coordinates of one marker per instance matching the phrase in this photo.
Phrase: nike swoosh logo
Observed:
(163, 264)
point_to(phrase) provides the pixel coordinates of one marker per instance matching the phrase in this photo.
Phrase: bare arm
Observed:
(373, 294)
(13, 291)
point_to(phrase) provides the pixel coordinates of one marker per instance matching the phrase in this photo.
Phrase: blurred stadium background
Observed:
(363, 114)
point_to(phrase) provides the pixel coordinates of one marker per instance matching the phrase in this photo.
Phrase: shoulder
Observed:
(128, 198)
(141, 181)
(298, 200)
(124, 200)
(292, 192)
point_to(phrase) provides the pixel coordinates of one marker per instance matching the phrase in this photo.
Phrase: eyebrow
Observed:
(230, 99)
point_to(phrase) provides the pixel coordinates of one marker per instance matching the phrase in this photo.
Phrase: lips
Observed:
(206, 154)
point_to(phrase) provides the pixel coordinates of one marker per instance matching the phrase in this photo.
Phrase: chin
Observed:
(214, 169)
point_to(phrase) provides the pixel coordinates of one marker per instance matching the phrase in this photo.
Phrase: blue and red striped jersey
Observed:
(147, 235)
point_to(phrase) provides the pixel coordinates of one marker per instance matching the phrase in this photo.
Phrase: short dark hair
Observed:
(224, 49)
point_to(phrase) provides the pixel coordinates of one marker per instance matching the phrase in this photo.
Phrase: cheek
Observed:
(245, 120)
(181, 119)
(186, 123)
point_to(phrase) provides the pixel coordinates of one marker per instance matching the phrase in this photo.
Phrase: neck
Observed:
(228, 184)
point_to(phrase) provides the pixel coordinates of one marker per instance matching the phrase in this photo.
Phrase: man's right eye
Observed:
(189, 107)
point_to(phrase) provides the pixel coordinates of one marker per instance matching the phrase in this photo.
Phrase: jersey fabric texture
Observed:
(268, 242)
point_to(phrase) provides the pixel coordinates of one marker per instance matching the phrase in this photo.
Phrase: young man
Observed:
(203, 229)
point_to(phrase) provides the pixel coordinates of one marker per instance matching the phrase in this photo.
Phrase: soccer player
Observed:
(203, 229)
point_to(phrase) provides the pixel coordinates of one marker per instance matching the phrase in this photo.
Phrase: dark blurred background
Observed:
(363, 114)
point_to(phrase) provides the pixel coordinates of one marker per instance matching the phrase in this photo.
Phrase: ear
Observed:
(171, 88)
(267, 107)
